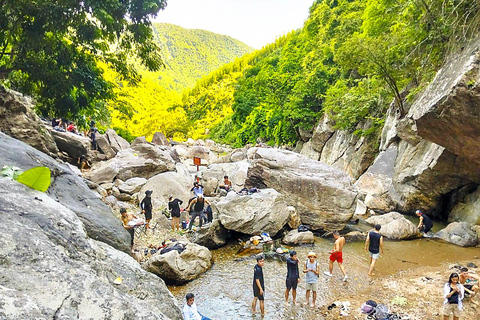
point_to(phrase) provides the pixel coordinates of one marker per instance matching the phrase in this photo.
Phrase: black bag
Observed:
(302, 228)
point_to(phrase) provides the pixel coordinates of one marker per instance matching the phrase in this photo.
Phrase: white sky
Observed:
(254, 22)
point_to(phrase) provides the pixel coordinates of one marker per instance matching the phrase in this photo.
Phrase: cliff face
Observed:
(428, 156)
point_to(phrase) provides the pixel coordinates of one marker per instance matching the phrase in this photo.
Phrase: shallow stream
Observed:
(225, 291)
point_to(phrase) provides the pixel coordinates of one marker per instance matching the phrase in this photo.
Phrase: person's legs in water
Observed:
(373, 260)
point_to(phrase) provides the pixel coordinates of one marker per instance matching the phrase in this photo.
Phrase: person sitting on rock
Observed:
(425, 222)
(190, 309)
(130, 221)
(147, 207)
(71, 128)
(468, 282)
(226, 185)
(56, 123)
(197, 189)
(198, 206)
(83, 162)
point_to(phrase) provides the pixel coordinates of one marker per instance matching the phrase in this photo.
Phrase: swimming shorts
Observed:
(291, 283)
(336, 256)
(256, 293)
(375, 255)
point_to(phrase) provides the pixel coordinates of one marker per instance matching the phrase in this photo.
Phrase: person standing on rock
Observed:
(336, 255)
(258, 286)
(293, 277)
(374, 243)
(174, 207)
(198, 206)
(453, 292)
(129, 221)
(190, 309)
(425, 222)
(311, 270)
(147, 207)
(197, 189)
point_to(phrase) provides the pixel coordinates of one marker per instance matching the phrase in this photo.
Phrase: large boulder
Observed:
(213, 237)
(459, 233)
(69, 190)
(395, 226)
(295, 238)
(447, 111)
(160, 139)
(116, 142)
(376, 185)
(64, 274)
(104, 146)
(142, 160)
(18, 120)
(323, 196)
(72, 144)
(165, 184)
(467, 210)
(199, 152)
(132, 185)
(213, 175)
(179, 268)
(265, 211)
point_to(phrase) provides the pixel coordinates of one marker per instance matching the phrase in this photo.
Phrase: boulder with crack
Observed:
(178, 268)
(395, 226)
(324, 197)
(265, 211)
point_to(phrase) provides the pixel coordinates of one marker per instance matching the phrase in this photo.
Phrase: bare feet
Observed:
(371, 274)
(312, 305)
(305, 304)
(294, 303)
(286, 303)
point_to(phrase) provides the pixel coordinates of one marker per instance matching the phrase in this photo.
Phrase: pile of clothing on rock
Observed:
(374, 311)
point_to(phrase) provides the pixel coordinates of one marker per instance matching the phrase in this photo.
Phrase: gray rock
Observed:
(104, 146)
(142, 160)
(116, 142)
(73, 144)
(308, 151)
(65, 274)
(213, 237)
(179, 268)
(265, 211)
(355, 236)
(69, 190)
(199, 152)
(160, 139)
(395, 226)
(459, 233)
(107, 186)
(295, 238)
(18, 120)
(213, 175)
(447, 111)
(132, 185)
(467, 210)
(323, 196)
(165, 184)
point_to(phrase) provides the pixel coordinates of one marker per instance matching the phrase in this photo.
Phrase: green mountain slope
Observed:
(153, 105)
(350, 60)
(189, 54)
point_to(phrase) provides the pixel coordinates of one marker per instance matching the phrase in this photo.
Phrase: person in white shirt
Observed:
(453, 293)
(190, 309)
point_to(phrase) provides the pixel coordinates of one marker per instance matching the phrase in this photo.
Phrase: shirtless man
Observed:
(470, 288)
(129, 221)
(336, 255)
(226, 185)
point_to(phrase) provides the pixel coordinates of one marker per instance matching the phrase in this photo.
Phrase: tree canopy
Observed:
(50, 49)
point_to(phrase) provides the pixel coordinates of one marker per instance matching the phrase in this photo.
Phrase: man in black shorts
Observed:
(258, 285)
(174, 207)
(293, 277)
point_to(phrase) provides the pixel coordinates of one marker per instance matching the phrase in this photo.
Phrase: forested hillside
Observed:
(187, 56)
(351, 59)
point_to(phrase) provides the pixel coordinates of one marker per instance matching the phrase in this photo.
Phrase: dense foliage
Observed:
(350, 60)
(152, 105)
(50, 49)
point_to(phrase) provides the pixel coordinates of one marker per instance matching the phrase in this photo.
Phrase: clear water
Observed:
(225, 291)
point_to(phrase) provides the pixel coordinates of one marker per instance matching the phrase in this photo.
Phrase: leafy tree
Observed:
(50, 49)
